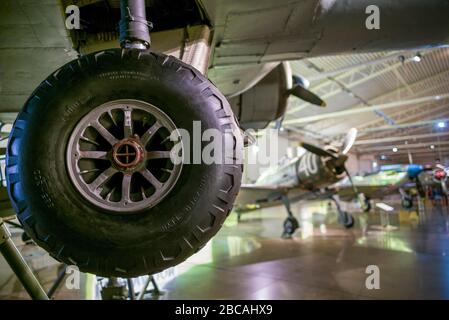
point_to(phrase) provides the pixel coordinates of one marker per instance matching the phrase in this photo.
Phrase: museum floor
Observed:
(249, 260)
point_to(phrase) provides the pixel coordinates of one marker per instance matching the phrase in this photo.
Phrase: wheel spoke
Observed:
(151, 178)
(142, 190)
(112, 117)
(150, 133)
(157, 155)
(89, 171)
(89, 140)
(126, 188)
(127, 123)
(102, 155)
(108, 196)
(102, 178)
(104, 133)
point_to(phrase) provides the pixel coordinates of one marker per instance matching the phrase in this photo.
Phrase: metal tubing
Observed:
(19, 266)
(144, 288)
(134, 27)
(57, 283)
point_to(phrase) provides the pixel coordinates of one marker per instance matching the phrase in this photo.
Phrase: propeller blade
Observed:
(317, 150)
(349, 140)
(306, 95)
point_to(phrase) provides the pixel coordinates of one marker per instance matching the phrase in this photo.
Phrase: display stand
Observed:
(116, 289)
(384, 217)
(155, 292)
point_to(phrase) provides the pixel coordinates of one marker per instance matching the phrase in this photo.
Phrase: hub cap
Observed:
(119, 156)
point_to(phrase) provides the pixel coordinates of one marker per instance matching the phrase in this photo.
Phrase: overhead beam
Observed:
(403, 146)
(360, 110)
(416, 151)
(354, 67)
(404, 125)
(416, 115)
(350, 85)
(399, 93)
(401, 138)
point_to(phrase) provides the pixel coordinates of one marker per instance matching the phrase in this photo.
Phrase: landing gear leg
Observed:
(239, 216)
(19, 266)
(290, 223)
(344, 218)
(25, 237)
(407, 201)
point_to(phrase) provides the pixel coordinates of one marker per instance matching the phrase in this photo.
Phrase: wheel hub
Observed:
(119, 156)
(128, 154)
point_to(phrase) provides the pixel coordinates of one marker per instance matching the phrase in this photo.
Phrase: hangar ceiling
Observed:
(395, 99)
(403, 100)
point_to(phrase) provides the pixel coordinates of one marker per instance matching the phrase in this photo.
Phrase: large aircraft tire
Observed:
(120, 234)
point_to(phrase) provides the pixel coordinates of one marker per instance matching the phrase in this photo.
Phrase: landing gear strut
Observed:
(290, 223)
(344, 218)
(19, 266)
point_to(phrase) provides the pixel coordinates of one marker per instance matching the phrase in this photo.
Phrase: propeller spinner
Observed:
(339, 159)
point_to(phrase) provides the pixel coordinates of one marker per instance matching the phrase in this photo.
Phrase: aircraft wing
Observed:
(309, 28)
(372, 186)
(253, 196)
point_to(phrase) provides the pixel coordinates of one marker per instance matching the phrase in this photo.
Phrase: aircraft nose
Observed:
(414, 170)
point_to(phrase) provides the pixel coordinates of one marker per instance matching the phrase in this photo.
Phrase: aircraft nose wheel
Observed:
(290, 226)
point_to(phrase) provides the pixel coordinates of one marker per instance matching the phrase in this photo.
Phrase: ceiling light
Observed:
(432, 146)
(383, 157)
(395, 149)
(441, 124)
(417, 58)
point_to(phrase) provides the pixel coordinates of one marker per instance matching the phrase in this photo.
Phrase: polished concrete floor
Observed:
(249, 260)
